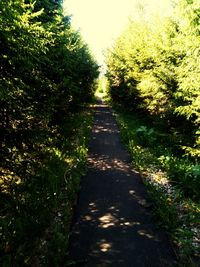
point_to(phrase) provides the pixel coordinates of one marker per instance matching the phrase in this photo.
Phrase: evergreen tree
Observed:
(154, 66)
(46, 74)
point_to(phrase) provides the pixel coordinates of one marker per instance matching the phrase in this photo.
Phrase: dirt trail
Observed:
(113, 225)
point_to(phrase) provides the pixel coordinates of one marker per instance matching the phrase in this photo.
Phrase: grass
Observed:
(172, 182)
(38, 192)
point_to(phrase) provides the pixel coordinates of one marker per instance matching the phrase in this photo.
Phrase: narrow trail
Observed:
(113, 225)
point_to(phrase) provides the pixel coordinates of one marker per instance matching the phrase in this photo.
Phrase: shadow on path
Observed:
(113, 225)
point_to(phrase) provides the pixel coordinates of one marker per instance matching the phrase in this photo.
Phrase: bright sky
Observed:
(101, 21)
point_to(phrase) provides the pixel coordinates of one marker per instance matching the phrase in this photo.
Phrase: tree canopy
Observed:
(46, 69)
(46, 74)
(154, 67)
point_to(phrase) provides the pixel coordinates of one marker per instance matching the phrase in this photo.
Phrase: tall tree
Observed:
(155, 67)
(45, 71)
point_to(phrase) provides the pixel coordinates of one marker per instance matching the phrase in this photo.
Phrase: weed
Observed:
(36, 206)
(172, 182)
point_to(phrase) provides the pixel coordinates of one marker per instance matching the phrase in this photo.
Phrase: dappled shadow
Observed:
(113, 225)
(108, 129)
(105, 163)
(116, 229)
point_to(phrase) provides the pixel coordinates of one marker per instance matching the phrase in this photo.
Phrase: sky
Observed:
(101, 21)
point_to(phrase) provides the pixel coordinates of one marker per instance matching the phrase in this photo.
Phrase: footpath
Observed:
(113, 223)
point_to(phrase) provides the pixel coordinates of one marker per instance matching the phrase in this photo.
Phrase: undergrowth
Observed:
(38, 191)
(172, 180)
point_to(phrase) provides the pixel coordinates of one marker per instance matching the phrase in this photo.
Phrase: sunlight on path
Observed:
(113, 225)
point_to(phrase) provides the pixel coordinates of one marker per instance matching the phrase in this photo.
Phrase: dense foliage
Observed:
(153, 73)
(150, 149)
(154, 67)
(46, 74)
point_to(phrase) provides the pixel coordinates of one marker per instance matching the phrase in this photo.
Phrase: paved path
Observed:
(113, 225)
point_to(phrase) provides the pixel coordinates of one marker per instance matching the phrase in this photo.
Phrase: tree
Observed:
(46, 74)
(154, 66)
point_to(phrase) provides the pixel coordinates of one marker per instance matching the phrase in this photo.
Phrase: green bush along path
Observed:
(47, 75)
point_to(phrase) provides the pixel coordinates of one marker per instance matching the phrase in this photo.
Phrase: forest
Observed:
(154, 76)
(47, 75)
(48, 78)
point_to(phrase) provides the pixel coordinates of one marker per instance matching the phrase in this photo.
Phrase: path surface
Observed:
(113, 225)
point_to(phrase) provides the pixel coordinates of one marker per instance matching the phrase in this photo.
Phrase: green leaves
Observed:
(154, 67)
(46, 74)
